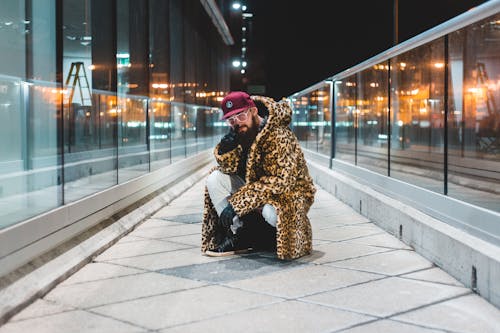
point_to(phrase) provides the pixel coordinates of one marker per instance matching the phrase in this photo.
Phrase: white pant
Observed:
(221, 186)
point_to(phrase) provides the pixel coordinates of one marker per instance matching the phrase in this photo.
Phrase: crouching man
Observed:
(259, 194)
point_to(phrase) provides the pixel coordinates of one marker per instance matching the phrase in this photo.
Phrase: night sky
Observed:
(294, 44)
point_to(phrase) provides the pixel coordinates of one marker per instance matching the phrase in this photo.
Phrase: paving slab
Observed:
(288, 316)
(185, 306)
(468, 313)
(71, 321)
(387, 297)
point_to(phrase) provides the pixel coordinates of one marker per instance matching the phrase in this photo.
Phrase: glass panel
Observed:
(29, 111)
(417, 98)
(133, 154)
(159, 137)
(474, 117)
(373, 123)
(300, 119)
(324, 121)
(215, 126)
(206, 131)
(133, 84)
(345, 119)
(178, 132)
(311, 119)
(190, 130)
(89, 114)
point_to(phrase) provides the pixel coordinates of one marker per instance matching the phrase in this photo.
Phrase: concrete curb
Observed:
(37, 283)
(471, 260)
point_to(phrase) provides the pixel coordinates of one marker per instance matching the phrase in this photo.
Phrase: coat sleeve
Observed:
(279, 168)
(228, 162)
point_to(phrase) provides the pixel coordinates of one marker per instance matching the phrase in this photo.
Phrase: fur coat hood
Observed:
(276, 174)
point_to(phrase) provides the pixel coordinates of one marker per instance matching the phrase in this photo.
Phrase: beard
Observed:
(246, 138)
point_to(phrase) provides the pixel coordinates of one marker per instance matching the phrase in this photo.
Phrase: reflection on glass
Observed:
(133, 154)
(346, 118)
(190, 130)
(66, 109)
(178, 133)
(417, 98)
(372, 101)
(89, 137)
(474, 114)
(159, 137)
(312, 119)
(30, 173)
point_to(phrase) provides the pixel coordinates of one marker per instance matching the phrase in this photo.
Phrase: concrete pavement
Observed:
(359, 278)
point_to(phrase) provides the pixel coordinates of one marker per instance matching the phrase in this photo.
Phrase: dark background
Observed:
(292, 45)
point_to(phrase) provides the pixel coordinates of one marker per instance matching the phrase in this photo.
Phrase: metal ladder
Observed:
(75, 76)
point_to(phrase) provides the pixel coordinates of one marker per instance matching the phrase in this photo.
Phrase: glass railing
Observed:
(425, 112)
(47, 161)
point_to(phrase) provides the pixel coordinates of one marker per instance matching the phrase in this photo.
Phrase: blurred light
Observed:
(439, 65)
(123, 55)
(244, 64)
(243, 8)
(236, 63)
(236, 5)
(242, 71)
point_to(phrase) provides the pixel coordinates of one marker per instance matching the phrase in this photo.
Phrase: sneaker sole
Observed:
(225, 254)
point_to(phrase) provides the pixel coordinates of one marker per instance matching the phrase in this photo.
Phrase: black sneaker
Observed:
(229, 246)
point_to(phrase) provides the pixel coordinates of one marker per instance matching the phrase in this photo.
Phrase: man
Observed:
(259, 194)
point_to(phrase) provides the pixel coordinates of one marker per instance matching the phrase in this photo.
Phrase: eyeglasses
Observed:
(240, 117)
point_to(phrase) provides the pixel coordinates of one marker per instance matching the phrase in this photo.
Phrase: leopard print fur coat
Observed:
(277, 174)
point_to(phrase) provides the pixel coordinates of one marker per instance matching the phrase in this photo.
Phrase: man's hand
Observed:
(228, 142)
(226, 217)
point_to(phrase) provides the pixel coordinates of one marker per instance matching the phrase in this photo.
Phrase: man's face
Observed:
(244, 121)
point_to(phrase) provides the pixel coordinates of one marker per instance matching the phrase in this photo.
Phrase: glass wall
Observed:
(427, 115)
(474, 114)
(160, 126)
(94, 93)
(372, 118)
(312, 119)
(30, 109)
(346, 119)
(90, 106)
(417, 120)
